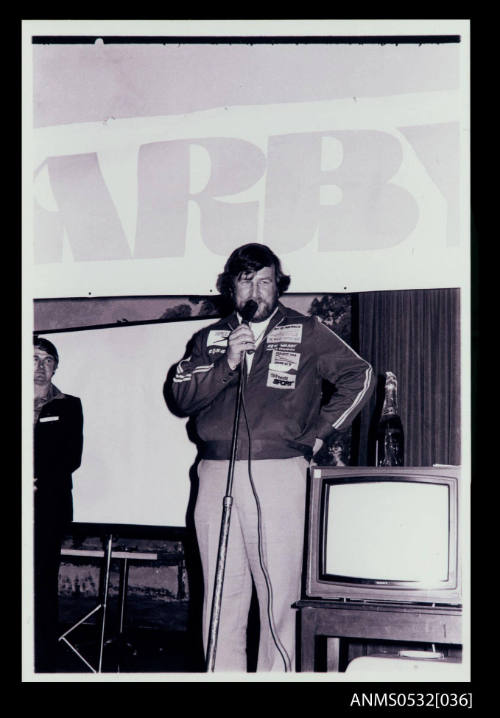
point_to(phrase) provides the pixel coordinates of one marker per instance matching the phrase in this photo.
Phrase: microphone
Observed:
(247, 314)
(248, 311)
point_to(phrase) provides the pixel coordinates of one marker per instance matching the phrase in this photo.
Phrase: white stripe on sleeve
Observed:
(357, 400)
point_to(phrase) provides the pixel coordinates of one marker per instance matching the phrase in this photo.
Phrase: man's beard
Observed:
(264, 310)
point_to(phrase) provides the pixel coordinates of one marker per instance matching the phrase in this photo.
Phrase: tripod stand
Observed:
(125, 557)
(100, 607)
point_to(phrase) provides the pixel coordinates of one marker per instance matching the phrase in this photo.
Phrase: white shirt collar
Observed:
(258, 328)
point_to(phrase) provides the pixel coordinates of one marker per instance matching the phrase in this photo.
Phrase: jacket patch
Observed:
(218, 337)
(283, 361)
(280, 380)
(48, 418)
(290, 333)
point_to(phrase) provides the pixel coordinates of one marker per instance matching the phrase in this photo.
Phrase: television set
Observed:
(384, 534)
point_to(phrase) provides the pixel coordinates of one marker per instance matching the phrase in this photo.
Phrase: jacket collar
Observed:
(53, 393)
(40, 403)
(57, 393)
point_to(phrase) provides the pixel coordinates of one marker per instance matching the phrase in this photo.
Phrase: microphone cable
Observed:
(277, 642)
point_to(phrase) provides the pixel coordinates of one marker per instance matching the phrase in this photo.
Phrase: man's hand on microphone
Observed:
(240, 340)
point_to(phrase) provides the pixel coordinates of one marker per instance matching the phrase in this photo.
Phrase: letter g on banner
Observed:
(371, 212)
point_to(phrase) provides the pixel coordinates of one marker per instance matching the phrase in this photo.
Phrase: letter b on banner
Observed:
(368, 211)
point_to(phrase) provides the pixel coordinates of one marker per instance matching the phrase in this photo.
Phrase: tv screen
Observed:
(384, 534)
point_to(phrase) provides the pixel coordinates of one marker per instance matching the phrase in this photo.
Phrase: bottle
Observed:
(390, 435)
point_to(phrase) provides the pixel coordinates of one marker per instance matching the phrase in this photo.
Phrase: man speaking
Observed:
(282, 426)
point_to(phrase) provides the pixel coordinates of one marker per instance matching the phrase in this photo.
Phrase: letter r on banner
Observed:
(164, 194)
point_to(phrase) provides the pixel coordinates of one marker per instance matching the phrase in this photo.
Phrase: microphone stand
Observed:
(224, 534)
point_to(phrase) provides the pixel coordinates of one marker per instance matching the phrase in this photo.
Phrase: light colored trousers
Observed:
(281, 489)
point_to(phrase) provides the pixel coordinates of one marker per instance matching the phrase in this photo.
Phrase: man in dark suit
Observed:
(58, 443)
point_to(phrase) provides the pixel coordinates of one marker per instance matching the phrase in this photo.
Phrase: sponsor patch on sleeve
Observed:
(281, 380)
(218, 337)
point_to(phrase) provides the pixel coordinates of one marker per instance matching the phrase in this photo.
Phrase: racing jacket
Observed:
(281, 413)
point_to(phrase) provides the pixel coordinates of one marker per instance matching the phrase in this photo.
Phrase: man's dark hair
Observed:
(250, 258)
(46, 346)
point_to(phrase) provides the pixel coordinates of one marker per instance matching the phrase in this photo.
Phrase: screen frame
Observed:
(320, 584)
(178, 489)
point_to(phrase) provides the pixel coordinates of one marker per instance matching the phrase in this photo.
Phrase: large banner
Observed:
(153, 157)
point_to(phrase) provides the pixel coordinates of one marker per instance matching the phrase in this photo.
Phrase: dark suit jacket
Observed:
(58, 444)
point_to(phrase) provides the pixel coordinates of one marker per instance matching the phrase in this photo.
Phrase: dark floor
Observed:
(158, 637)
(155, 637)
(173, 645)
(139, 650)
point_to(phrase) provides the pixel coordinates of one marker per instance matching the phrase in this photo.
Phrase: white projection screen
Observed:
(137, 454)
